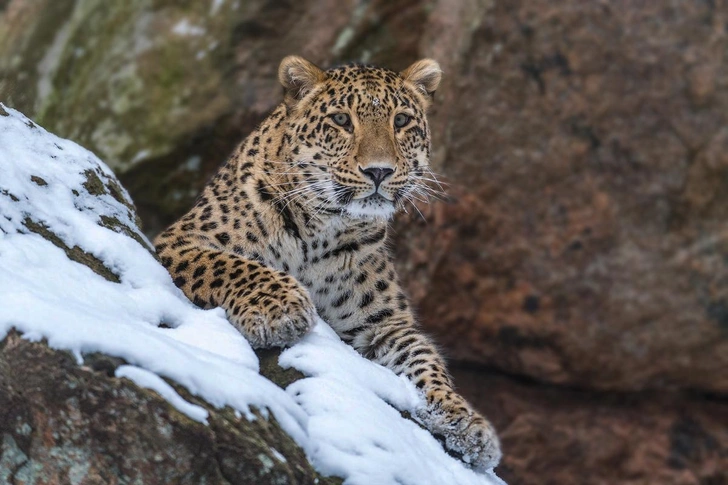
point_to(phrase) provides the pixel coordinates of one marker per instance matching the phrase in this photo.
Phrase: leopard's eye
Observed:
(342, 119)
(401, 120)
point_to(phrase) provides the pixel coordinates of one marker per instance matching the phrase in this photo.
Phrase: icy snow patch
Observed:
(345, 414)
(186, 29)
(150, 380)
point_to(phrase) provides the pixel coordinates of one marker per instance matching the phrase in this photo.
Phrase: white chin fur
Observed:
(367, 208)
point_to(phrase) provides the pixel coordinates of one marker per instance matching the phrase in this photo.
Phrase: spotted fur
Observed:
(295, 224)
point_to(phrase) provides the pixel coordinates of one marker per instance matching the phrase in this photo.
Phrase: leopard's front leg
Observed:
(390, 336)
(399, 345)
(269, 307)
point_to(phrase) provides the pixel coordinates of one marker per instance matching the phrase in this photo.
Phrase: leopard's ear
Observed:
(298, 77)
(425, 74)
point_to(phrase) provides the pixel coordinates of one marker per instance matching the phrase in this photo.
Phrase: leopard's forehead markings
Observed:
(374, 90)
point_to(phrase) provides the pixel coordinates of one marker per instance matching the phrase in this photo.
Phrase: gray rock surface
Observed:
(64, 423)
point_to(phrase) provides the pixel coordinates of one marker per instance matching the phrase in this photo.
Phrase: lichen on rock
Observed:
(96, 419)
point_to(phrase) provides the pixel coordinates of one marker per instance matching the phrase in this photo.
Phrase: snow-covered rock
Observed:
(77, 273)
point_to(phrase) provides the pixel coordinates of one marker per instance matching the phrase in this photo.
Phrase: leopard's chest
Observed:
(331, 269)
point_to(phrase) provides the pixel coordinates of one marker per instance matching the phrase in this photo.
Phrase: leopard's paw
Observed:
(476, 443)
(275, 315)
(465, 433)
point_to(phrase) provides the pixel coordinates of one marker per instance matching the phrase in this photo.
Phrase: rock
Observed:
(61, 422)
(159, 90)
(588, 245)
(575, 437)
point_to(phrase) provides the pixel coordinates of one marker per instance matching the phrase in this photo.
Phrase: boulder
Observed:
(552, 435)
(587, 243)
(62, 422)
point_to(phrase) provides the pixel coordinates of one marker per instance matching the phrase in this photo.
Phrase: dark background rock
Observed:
(553, 436)
(586, 245)
(591, 240)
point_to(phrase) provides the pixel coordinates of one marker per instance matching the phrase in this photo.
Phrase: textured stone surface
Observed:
(553, 436)
(64, 423)
(586, 245)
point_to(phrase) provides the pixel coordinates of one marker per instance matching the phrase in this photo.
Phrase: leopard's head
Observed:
(358, 137)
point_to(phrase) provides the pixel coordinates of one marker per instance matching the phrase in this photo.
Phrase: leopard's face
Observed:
(361, 140)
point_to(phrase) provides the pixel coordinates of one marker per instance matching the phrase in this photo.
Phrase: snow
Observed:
(186, 29)
(353, 407)
(278, 456)
(345, 414)
(150, 380)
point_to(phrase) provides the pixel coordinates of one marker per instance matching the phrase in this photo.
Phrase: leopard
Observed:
(294, 226)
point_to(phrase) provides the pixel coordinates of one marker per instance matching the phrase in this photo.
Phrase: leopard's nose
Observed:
(377, 174)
